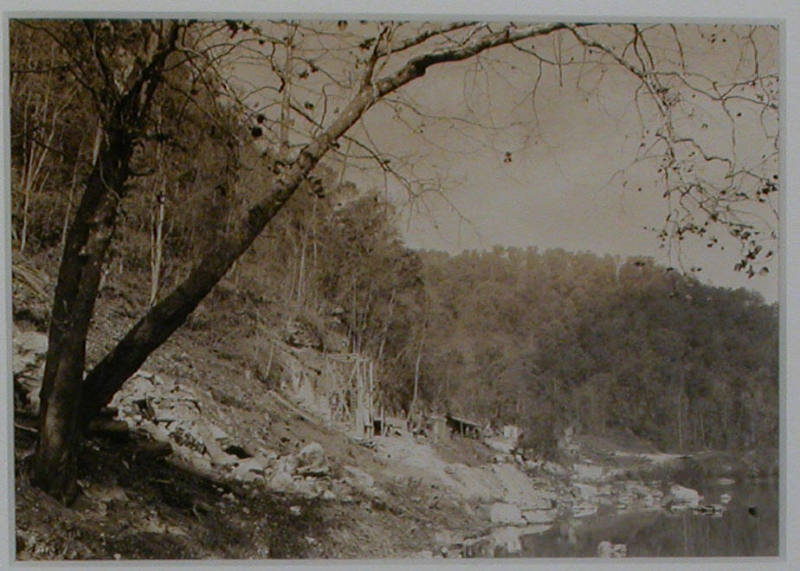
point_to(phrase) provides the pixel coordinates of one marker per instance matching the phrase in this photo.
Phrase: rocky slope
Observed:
(267, 459)
(198, 458)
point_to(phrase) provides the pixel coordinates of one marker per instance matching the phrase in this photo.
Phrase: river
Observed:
(748, 526)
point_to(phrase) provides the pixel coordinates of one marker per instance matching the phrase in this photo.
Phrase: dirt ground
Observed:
(135, 507)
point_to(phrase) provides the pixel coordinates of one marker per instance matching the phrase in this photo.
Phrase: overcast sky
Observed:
(568, 182)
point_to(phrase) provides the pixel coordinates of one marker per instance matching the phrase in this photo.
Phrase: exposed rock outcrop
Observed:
(28, 357)
(189, 422)
(311, 461)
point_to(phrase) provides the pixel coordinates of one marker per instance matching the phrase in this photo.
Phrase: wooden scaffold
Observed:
(351, 384)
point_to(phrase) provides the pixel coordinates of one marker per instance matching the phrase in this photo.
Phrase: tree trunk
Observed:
(68, 209)
(88, 239)
(157, 244)
(170, 313)
(412, 413)
(680, 422)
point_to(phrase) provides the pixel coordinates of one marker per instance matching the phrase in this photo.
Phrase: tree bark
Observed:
(88, 239)
(87, 242)
(412, 412)
(157, 244)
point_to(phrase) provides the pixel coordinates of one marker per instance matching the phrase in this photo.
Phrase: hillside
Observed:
(137, 504)
(204, 459)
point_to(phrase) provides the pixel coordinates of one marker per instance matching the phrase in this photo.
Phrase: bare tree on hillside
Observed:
(309, 87)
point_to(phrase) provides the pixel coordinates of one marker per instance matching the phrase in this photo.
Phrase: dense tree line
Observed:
(552, 339)
(543, 339)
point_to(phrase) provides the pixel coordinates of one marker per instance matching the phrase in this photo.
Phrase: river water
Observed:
(747, 527)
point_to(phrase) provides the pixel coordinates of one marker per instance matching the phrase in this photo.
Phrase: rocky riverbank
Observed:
(242, 454)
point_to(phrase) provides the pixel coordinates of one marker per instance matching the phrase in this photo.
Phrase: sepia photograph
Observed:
(366, 288)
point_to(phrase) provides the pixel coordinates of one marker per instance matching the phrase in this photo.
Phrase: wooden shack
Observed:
(385, 425)
(463, 427)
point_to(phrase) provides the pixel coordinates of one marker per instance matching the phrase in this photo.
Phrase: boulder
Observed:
(246, 475)
(308, 488)
(532, 465)
(198, 462)
(509, 514)
(212, 446)
(132, 397)
(342, 491)
(311, 460)
(554, 469)
(588, 472)
(157, 431)
(218, 434)
(250, 465)
(542, 501)
(680, 496)
(27, 362)
(607, 549)
(281, 481)
(26, 392)
(287, 464)
(357, 478)
(30, 348)
(586, 491)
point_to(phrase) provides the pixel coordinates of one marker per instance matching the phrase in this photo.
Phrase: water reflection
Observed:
(748, 527)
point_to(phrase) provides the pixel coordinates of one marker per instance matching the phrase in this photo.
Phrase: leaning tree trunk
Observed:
(167, 315)
(171, 312)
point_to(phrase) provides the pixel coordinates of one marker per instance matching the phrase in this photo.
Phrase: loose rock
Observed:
(682, 497)
(311, 460)
(501, 513)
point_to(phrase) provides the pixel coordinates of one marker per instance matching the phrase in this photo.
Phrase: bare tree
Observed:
(122, 92)
(309, 87)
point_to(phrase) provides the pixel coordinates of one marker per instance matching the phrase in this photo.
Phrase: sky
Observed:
(569, 181)
(501, 151)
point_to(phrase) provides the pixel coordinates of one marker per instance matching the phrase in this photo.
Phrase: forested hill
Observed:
(552, 339)
(542, 339)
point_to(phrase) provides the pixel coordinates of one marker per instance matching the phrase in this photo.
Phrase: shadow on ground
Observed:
(137, 507)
